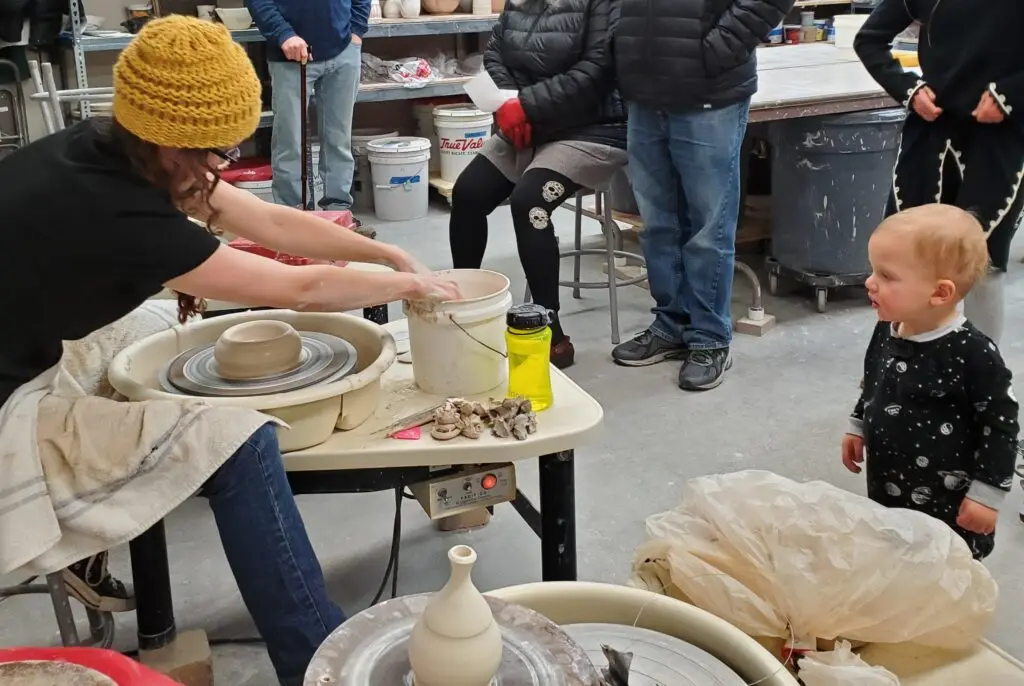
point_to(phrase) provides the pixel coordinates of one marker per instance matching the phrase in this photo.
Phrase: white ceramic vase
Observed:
(392, 9)
(456, 641)
(410, 9)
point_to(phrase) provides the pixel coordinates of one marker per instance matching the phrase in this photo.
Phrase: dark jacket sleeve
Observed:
(873, 44)
(269, 20)
(584, 85)
(995, 425)
(492, 58)
(737, 33)
(1009, 93)
(360, 17)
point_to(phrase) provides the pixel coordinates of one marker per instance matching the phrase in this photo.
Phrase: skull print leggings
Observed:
(478, 192)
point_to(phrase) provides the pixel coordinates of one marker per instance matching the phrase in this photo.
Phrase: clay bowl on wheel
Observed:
(257, 349)
(440, 6)
(312, 413)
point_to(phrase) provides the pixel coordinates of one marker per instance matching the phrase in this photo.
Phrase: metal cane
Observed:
(304, 135)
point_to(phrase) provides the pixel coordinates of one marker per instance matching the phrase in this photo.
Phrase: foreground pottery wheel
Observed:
(258, 349)
(371, 649)
(312, 412)
(577, 602)
(48, 673)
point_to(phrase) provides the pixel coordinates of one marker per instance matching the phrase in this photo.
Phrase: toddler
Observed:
(936, 419)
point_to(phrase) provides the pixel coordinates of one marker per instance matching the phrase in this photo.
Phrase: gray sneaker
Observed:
(646, 348)
(704, 369)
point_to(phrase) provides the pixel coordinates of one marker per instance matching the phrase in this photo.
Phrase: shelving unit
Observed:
(427, 25)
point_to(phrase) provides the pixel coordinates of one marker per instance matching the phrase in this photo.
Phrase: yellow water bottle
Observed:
(528, 340)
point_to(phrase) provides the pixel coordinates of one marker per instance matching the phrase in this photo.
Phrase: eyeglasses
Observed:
(230, 156)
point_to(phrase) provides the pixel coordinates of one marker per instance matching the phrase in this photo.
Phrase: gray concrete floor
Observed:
(782, 408)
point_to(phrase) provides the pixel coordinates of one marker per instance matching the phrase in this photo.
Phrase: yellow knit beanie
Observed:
(184, 83)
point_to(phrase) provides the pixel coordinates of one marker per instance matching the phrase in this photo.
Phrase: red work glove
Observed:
(510, 116)
(521, 136)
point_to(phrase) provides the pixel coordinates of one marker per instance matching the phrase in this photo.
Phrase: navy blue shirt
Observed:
(327, 26)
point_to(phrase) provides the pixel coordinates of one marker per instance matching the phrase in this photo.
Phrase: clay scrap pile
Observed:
(508, 418)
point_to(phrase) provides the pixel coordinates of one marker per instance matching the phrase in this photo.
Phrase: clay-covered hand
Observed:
(521, 137)
(853, 452)
(510, 116)
(977, 517)
(924, 104)
(987, 111)
(435, 288)
(296, 49)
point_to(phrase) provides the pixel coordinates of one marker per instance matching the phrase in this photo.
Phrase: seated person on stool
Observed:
(185, 95)
(565, 131)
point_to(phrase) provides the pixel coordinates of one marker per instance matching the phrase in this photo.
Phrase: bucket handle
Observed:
(451, 318)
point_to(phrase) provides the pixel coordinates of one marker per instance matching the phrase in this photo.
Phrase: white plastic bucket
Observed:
(362, 179)
(458, 347)
(261, 189)
(462, 131)
(424, 116)
(847, 26)
(400, 177)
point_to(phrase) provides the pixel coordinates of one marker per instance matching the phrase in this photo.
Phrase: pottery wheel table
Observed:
(363, 460)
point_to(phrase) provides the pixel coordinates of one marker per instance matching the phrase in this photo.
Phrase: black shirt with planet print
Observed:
(939, 421)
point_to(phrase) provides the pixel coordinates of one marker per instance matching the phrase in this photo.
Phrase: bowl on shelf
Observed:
(235, 18)
(440, 6)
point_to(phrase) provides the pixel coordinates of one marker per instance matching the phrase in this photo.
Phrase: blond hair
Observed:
(946, 239)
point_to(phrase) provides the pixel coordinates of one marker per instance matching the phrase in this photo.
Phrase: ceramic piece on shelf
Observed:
(375, 10)
(497, 6)
(392, 9)
(258, 349)
(439, 6)
(410, 9)
(456, 641)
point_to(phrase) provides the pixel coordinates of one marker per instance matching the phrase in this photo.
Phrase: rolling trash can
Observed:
(831, 178)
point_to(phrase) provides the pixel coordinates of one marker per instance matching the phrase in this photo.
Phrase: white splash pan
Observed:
(312, 413)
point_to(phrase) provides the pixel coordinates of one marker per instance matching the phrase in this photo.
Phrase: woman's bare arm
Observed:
(295, 232)
(241, 277)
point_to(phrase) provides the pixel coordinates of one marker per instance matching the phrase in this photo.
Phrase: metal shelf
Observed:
(430, 25)
(383, 92)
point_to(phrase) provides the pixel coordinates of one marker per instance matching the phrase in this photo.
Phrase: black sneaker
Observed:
(704, 369)
(91, 583)
(646, 348)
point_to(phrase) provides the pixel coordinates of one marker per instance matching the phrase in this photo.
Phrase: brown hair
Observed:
(189, 185)
(946, 239)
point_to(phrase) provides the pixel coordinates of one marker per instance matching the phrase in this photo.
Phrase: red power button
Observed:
(489, 481)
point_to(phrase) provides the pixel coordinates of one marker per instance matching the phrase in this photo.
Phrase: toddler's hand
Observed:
(853, 452)
(977, 517)
(924, 104)
(987, 111)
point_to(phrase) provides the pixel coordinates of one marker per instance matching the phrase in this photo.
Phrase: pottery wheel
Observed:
(371, 649)
(47, 673)
(324, 358)
(658, 659)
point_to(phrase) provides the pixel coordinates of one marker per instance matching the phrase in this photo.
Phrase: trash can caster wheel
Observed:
(773, 284)
(822, 297)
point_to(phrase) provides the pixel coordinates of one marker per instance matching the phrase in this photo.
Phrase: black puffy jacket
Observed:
(557, 54)
(692, 54)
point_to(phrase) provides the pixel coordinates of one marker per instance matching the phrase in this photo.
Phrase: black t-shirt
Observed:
(84, 239)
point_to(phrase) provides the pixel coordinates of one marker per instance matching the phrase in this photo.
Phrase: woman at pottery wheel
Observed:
(95, 221)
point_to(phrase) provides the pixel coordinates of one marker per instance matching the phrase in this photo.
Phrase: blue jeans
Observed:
(270, 555)
(685, 170)
(337, 84)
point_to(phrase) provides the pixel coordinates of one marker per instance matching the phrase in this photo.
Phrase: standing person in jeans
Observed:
(687, 70)
(327, 36)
